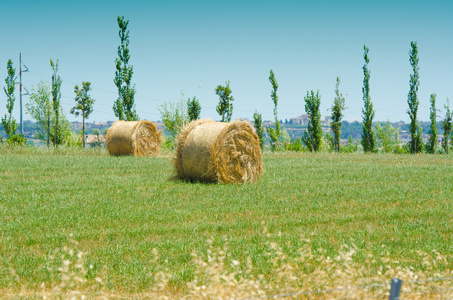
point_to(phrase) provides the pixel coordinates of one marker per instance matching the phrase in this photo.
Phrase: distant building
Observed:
(303, 120)
(93, 138)
(300, 120)
(327, 121)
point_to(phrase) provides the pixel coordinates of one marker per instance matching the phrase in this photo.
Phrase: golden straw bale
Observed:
(138, 138)
(219, 152)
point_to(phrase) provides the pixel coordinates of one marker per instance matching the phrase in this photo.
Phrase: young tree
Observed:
(56, 96)
(124, 106)
(274, 134)
(432, 141)
(40, 109)
(84, 105)
(313, 136)
(388, 137)
(259, 128)
(174, 116)
(8, 122)
(368, 138)
(447, 126)
(225, 107)
(337, 114)
(193, 109)
(415, 129)
(97, 142)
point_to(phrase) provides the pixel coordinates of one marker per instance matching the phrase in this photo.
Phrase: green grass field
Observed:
(142, 232)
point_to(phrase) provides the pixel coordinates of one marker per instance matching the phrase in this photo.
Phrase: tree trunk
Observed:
(446, 144)
(83, 130)
(48, 131)
(55, 134)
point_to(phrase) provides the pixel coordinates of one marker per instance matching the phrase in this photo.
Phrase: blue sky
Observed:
(193, 46)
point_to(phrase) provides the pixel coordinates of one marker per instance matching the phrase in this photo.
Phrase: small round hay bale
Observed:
(137, 138)
(219, 152)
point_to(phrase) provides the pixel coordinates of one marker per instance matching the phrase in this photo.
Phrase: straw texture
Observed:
(219, 152)
(137, 138)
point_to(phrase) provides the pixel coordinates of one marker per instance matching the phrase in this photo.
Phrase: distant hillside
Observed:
(349, 129)
(355, 129)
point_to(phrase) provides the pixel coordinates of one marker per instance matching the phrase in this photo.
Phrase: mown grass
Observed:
(118, 209)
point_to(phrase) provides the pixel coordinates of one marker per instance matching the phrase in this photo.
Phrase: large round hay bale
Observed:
(138, 138)
(219, 152)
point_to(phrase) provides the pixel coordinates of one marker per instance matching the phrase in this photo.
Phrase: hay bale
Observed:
(219, 152)
(137, 138)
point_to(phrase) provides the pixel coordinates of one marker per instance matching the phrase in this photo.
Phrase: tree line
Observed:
(385, 133)
(373, 135)
(45, 108)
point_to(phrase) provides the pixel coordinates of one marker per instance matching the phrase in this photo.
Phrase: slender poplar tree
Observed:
(337, 115)
(84, 105)
(8, 122)
(193, 109)
(56, 96)
(369, 136)
(259, 128)
(447, 123)
(40, 109)
(415, 129)
(313, 136)
(124, 106)
(274, 133)
(432, 141)
(225, 106)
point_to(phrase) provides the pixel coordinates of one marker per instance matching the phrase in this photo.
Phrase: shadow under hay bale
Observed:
(137, 138)
(212, 151)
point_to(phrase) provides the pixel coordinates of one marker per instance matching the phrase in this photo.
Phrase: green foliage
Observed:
(329, 142)
(259, 128)
(275, 133)
(124, 106)
(337, 115)
(274, 138)
(225, 106)
(73, 140)
(193, 109)
(84, 102)
(56, 96)
(352, 146)
(447, 126)
(369, 136)
(278, 141)
(388, 138)
(416, 142)
(17, 139)
(9, 125)
(295, 145)
(312, 138)
(40, 109)
(8, 122)
(97, 142)
(84, 105)
(431, 144)
(174, 116)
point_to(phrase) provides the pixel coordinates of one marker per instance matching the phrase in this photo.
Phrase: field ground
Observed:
(87, 222)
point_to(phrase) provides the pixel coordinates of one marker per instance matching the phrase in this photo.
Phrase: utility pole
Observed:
(20, 89)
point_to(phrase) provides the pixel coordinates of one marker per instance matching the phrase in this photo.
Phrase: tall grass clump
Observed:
(307, 272)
